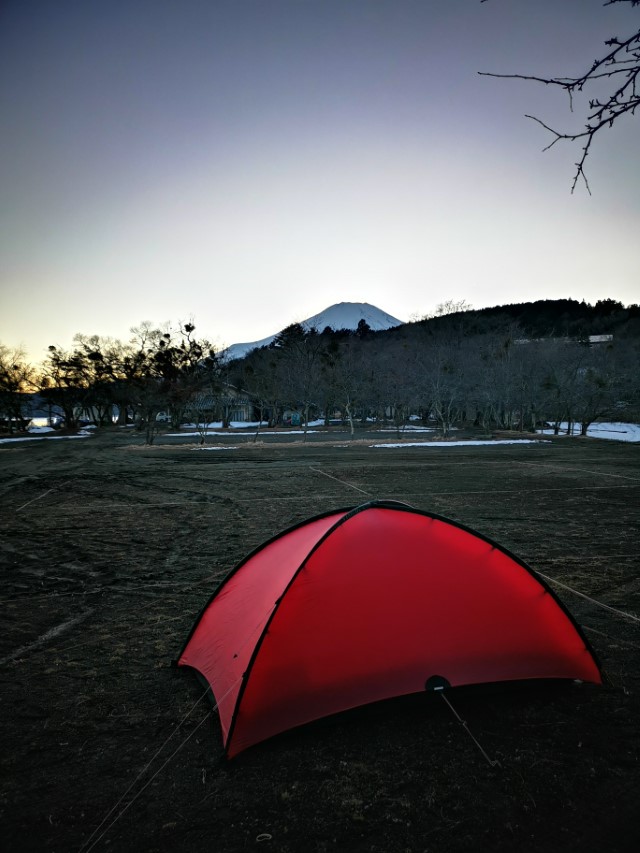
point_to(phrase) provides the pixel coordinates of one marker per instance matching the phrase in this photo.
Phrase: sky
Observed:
(246, 163)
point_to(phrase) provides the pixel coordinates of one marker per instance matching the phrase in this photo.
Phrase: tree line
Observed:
(158, 369)
(514, 367)
(453, 369)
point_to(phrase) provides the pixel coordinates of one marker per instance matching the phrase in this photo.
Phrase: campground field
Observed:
(109, 550)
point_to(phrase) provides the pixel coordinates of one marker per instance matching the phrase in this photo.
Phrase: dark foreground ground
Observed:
(108, 551)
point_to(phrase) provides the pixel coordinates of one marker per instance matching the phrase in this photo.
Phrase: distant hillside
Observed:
(544, 318)
(343, 315)
(550, 318)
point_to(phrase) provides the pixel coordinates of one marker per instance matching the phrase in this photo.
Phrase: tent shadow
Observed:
(500, 711)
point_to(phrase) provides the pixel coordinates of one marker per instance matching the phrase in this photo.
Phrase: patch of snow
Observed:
(264, 434)
(208, 433)
(44, 438)
(410, 428)
(232, 425)
(288, 432)
(214, 448)
(613, 431)
(464, 443)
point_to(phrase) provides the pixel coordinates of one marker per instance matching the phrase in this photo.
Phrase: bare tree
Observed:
(201, 407)
(170, 368)
(299, 360)
(619, 66)
(259, 373)
(450, 306)
(599, 384)
(343, 376)
(16, 380)
(100, 358)
(65, 382)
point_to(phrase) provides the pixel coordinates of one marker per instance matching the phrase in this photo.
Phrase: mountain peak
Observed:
(347, 315)
(342, 315)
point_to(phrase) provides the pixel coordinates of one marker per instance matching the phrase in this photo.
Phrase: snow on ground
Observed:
(43, 437)
(463, 443)
(232, 425)
(250, 434)
(248, 427)
(612, 431)
(214, 448)
(411, 429)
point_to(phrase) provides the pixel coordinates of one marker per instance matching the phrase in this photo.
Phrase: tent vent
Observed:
(436, 682)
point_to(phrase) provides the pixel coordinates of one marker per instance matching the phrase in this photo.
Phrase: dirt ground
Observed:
(108, 552)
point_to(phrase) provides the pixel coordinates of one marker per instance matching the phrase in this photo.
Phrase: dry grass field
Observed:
(109, 550)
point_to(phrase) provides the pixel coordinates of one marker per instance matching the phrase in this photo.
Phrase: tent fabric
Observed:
(368, 603)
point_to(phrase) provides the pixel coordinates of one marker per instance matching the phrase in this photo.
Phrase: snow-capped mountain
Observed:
(347, 315)
(344, 315)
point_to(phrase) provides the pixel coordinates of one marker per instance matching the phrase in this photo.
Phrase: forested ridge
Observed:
(558, 317)
(506, 367)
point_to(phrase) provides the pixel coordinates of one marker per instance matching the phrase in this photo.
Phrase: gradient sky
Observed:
(247, 163)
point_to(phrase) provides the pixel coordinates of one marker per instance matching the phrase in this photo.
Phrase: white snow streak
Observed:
(462, 443)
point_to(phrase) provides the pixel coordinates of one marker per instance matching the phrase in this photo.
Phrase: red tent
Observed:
(363, 604)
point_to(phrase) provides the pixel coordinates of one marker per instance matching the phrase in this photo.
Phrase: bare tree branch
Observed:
(622, 62)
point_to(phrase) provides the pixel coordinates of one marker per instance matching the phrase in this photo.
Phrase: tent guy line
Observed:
(588, 598)
(43, 495)
(566, 469)
(609, 637)
(459, 491)
(44, 638)
(89, 844)
(40, 643)
(342, 482)
(580, 557)
(143, 771)
(121, 634)
(84, 508)
(84, 848)
(204, 504)
(184, 588)
(465, 726)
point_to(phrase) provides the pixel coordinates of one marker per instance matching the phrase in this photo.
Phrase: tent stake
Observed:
(465, 726)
